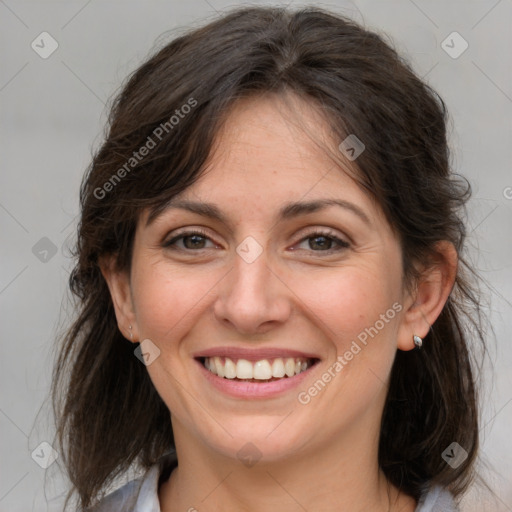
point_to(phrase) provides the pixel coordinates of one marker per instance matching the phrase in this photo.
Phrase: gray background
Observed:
(53, 113)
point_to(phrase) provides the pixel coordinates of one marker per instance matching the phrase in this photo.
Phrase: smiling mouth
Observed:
(264, 370)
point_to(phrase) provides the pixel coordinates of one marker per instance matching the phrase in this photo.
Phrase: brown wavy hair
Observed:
(108, 413)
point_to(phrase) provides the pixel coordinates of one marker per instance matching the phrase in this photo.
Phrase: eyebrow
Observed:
(288, 211)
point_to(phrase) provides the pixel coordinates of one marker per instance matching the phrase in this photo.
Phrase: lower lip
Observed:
(254, 390)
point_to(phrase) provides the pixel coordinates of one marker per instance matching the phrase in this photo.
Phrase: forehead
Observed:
(273, 150)
(269, 143)
(280, 131)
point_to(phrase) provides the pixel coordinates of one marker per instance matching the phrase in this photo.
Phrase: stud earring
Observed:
(131, 333)
(417, 341)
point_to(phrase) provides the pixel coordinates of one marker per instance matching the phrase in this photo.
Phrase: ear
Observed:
(119, 285)
(432, 290)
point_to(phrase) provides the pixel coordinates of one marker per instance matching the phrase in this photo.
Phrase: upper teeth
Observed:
(261, 370)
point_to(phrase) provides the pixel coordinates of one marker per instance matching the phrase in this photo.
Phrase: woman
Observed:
(271, 282)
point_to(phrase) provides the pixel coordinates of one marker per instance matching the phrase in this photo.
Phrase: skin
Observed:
(298, 293)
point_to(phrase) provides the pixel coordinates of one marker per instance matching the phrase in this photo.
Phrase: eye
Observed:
(189, 240)
(323, 241)
(318, 241)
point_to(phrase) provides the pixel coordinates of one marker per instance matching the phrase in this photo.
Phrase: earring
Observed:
(131, 333)
(417, 341)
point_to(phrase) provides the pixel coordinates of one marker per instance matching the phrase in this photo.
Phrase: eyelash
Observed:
(343, 244)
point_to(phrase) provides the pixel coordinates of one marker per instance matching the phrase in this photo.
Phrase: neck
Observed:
(344, 475)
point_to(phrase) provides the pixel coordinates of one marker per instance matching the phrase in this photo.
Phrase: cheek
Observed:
(347, 301)
(167, 305)
(347, 304)
(165, 299)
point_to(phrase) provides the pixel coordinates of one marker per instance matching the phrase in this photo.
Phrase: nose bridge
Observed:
(251, 295)
(250, 276)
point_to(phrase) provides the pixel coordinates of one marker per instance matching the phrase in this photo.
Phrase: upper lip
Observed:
(253, 354)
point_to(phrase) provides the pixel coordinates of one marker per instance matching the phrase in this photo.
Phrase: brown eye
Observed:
(320, 242)
(324, 242)
(188, 241)
(194, 241)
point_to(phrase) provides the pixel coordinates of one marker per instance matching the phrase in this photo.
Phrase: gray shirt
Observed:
(141, 494)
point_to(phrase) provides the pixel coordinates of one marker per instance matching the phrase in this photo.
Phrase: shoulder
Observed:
(437, 499)
(141, 494)
(123, 498)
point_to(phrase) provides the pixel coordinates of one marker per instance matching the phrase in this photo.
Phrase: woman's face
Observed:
(293, 260)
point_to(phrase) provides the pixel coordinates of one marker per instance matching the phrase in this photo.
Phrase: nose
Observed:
(252, 298)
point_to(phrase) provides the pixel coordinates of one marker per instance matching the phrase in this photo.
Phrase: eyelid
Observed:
(323, 230)
(184, 232)
(342, 241)
(305, 235)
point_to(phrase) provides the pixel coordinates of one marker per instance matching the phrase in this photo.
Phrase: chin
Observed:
(255, 440)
